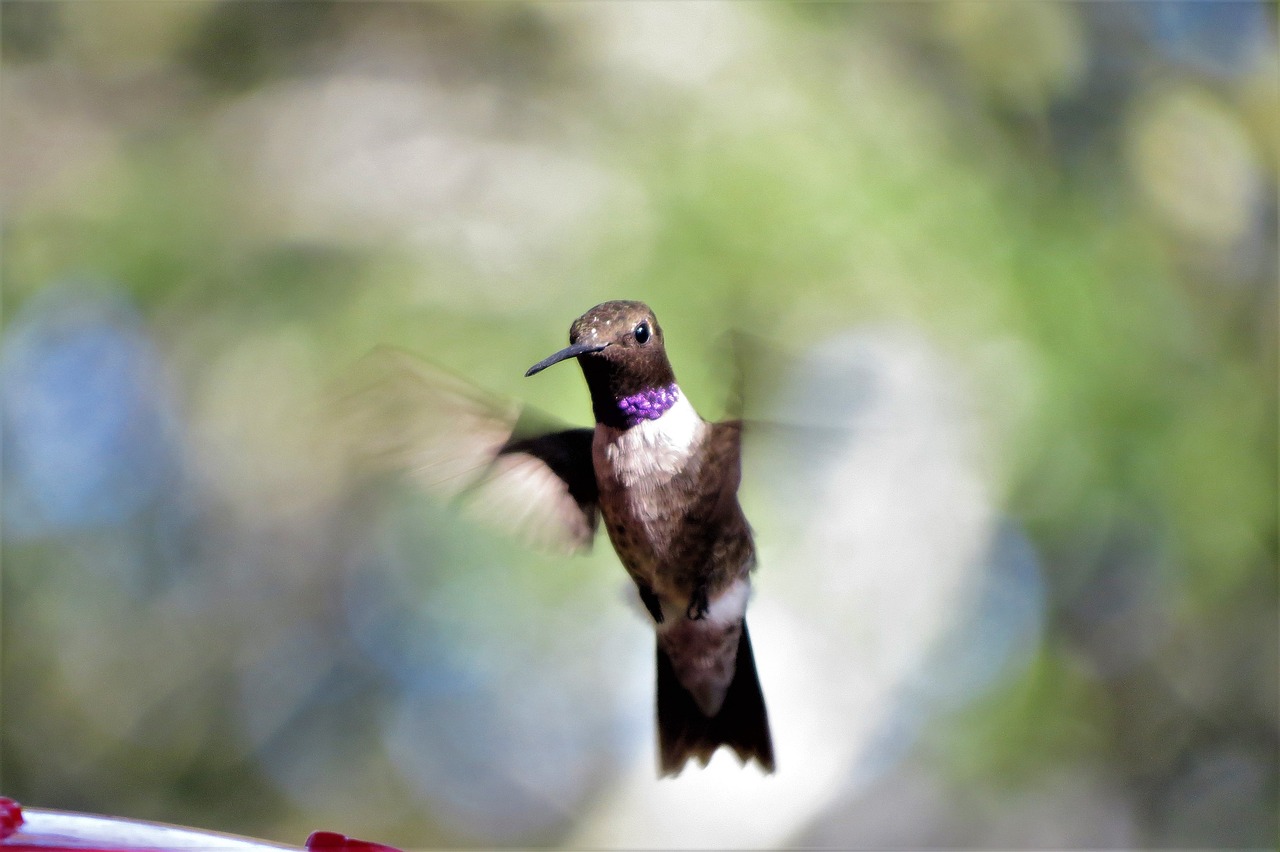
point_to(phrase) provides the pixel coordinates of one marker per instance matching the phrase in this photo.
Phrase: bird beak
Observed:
(564, 354)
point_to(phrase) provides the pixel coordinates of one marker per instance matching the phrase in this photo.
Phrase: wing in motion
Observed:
(512, 466)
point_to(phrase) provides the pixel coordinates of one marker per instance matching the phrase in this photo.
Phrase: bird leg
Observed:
(698, 605)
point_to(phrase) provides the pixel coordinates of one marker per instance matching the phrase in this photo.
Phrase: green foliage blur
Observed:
(1075, 205)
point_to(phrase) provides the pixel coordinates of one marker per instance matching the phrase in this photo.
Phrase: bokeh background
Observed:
(1014, 267)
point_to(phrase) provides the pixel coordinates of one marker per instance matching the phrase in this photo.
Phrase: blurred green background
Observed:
(1025, 253)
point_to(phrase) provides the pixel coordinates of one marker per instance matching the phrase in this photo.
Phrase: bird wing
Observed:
(508, 464)
(719, 501)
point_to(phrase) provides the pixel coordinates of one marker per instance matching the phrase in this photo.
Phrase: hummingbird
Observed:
(667, 488)
(663, 480)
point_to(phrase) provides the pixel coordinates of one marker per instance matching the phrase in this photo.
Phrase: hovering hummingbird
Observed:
(665, 482)
(667, 486)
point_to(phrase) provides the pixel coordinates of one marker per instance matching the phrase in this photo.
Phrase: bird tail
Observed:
(742, 723)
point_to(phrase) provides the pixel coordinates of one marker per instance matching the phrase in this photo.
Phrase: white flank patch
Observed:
(731, 604)
(726, 608)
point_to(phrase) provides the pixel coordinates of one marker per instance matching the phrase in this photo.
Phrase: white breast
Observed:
(651, 452)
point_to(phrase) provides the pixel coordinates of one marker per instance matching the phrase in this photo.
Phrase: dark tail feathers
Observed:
(742, 723)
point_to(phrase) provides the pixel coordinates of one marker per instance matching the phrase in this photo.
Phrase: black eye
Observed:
(642, 333)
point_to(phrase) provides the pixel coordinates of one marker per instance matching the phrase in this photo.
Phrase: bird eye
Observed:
(642, 333)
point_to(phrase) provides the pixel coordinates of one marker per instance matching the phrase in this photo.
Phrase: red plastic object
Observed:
(10, 817)
(331, 840)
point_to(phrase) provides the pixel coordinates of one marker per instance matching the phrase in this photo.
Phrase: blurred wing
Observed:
(757, 369)
(725, 454)
(543, 488)
(511, 467)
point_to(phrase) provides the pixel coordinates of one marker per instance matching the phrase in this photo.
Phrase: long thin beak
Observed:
(565, 354)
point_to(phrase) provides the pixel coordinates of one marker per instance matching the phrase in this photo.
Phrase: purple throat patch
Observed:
(649, 404)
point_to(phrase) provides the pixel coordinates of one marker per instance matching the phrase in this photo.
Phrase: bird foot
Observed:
(698, 605)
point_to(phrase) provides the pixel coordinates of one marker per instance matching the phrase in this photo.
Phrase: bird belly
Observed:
(641, 530)
(640, 499)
